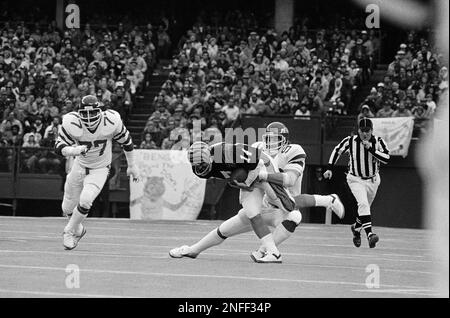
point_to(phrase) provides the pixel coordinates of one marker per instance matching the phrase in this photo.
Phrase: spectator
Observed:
(402, 111)
(386, 111)
(303, 112)
(148, 143)
(365, 112)
(53, 127)
(9, 122)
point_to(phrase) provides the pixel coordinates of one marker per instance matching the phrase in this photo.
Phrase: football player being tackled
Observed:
(88, 135)
(286, 157)
(220, 161)
(289, 158)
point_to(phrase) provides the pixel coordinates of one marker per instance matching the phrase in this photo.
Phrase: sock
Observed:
(366, 221)
(282, 232)
(74, 224)
(235, 225)
(213, 238)
(323, 200)
(269, 244)
(358, 225)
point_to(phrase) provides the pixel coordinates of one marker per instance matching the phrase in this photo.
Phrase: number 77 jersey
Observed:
(99, 142)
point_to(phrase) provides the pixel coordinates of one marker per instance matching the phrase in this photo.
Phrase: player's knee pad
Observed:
(295, 216)
(292, 221)
(67, 206)
(87, 197)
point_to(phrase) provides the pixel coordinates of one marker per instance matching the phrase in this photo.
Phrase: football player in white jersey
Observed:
(290, 160)
(88, 135)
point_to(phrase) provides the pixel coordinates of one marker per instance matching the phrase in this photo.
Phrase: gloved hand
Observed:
(133, 172)
(74, 151)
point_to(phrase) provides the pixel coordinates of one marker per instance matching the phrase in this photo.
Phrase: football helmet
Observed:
(199, 155)
(275, 137)
(89, 111)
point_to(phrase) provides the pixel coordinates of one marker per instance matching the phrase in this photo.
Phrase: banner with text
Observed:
(396, 132)
(167, 187)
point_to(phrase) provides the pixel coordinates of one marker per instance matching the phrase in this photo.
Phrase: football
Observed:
(240, 175)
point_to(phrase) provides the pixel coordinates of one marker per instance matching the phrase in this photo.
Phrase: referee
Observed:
(366, 151)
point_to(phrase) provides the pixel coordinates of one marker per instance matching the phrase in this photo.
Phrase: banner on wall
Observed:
(167, 187)
(396, 132)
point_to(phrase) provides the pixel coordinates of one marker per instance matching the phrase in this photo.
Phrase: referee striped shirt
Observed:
(363, 163)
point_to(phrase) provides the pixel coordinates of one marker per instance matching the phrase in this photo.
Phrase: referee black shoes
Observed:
(373, 239)
(356, 236)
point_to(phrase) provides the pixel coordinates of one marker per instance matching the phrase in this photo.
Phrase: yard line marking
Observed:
(42, 293)
(99, 271)
(65, 253)
(344, 256)
(165, 256)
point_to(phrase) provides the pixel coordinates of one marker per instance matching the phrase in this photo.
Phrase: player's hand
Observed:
(80, 150)
(240, 185)
(367, 144)
(328, 174)
(133, 172)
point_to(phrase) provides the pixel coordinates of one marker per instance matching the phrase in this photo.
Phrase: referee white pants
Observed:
(364, 191)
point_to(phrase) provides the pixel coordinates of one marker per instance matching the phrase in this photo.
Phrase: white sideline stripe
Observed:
(419, 292)
(42, 293)
(292, 240)
(344, 256)
(165, 256)
(328, 282)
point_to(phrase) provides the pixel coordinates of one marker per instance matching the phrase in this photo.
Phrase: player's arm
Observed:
(292, 171)
(123, 138)
(382, 154)
(342, 147)
(66, 144)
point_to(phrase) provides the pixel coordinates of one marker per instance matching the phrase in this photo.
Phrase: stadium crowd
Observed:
(44, 73)
(412, 85)
(221, 71)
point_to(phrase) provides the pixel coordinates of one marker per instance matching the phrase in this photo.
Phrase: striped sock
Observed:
(366, 221)
(358, 225)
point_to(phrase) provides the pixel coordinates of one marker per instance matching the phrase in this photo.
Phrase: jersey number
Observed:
(95, 144)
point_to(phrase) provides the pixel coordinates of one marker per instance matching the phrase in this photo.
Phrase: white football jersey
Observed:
(292, 157)
(99, 142)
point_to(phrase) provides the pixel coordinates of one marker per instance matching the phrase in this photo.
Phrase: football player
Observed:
(290, 160)
(88, 134)
(219, 161)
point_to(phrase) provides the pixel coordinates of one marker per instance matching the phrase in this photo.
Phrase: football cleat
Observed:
(270, 258)
(373, 239)
(356, 236)
(256, 255)
(182, 251)
(70, 240)
(337, 207)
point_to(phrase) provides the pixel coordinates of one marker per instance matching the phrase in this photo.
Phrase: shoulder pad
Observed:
(72, 124)
(110, 121)
(294, 151)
